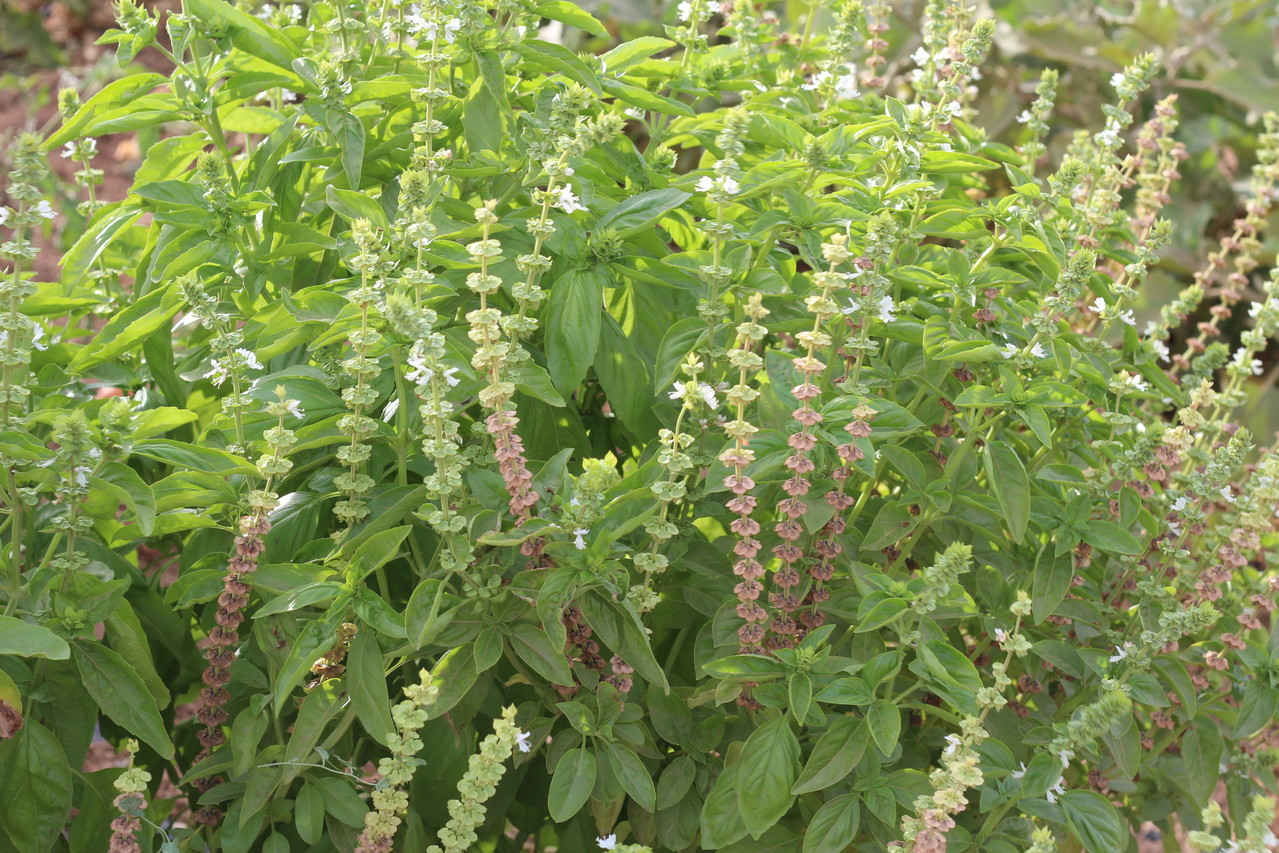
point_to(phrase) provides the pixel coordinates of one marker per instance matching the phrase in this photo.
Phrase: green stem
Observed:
(15, 538)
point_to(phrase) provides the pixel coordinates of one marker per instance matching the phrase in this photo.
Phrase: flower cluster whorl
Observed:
(222, 643)
(390, 800)
(132, 799)
(484, 771)
(738, 457)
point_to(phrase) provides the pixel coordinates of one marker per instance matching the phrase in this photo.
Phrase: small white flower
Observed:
(1253, 310)
(522, 741)
(1160, 349)
(920, 56)
(218, 374)
(1065, 755)
(43, 208)
(852, 308)
(1055, 791)
(4, 215)
(420, 373)
(681, 391)
(567, 201)
(1127, 318)
(68, 150)
(1243, 362)
(1017, 774)
(846, 86)
(1108, 138)
(450, 378)
(684, 11)
(431, 29)
(1038, 351)
(1121, 652)
(815, 81)
(1132, 380)
(1180, 504)
(392, 407)
(294, 408)
(952, 744)
(579, 542)
(887, 309)
(608, 842)
(37, 338)
(82, 473)
(1001, 636)
(954, 108)
(1098, 305)
(250, 360)
(708, 395)
(1010, 350)
(712, 6)
(1227, 495)
(1025, 117)
(723, 183)
(1117, 79)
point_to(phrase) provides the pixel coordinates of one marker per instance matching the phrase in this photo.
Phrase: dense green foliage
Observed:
(715, 441)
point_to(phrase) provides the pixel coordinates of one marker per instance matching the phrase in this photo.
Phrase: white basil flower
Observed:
(567, 201)
(1121, 652)
(250, 359)
(218, 373)
(815, 81)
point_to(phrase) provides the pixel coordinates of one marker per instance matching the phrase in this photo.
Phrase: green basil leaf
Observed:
(766, 771)
(122, 695)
